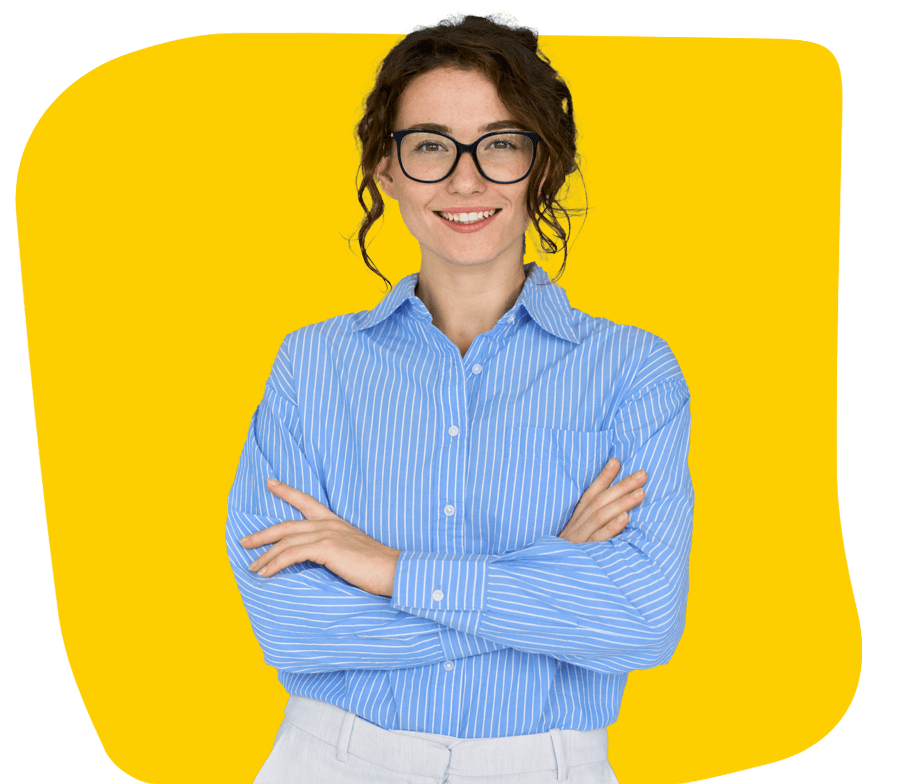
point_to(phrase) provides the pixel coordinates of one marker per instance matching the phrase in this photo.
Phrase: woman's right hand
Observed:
(602, 510)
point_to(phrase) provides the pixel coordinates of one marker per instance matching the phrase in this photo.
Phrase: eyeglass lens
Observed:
(430, 156)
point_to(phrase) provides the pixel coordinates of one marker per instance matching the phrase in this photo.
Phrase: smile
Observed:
(467, 217)
(468, 222)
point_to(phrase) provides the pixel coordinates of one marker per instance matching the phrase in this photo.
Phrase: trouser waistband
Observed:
(431, 755)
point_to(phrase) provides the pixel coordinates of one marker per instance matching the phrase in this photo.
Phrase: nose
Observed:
(466, 177)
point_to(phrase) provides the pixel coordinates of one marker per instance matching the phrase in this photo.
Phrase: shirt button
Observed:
(449, 510)
(438, 595)
(448, 665)
(453, 430)
(477, 369)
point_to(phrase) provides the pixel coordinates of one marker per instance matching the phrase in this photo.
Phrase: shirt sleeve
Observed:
(611, 606)
(306, 618)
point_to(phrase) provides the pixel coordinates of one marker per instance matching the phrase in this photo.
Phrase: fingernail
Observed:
(272, 482)
(244, 540)
(262, 571)
(610, 462)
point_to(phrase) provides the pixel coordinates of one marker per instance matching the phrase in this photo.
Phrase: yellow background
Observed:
(182, 208)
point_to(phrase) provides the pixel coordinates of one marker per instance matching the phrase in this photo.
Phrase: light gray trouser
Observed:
(322, 744)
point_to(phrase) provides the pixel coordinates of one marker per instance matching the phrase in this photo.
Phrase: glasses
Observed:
(503, 157)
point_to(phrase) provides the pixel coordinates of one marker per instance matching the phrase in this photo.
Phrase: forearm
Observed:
(308, 620)
(559, 600)
(615, 605)
(305, 618)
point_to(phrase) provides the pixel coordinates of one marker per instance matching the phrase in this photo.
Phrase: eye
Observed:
(503, 144)
(428, 146)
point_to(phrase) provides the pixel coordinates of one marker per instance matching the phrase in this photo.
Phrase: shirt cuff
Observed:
(459, 645)
(440, 581)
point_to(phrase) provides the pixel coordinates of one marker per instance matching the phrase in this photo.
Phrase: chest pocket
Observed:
(544, 472)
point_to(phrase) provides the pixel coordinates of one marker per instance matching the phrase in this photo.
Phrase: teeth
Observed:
(467, 217)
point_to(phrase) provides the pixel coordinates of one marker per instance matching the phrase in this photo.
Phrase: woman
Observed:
(424, 526)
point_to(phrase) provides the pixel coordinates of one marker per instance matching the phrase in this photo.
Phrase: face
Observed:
(466, 105)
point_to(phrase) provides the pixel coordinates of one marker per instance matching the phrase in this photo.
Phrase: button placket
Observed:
(452, 424)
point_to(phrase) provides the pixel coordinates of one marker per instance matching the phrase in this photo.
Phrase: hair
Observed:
(534, 93)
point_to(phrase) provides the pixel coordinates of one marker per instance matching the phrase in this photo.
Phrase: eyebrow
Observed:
(500, 125)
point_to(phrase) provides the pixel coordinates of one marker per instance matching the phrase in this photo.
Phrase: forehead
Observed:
(458, 99)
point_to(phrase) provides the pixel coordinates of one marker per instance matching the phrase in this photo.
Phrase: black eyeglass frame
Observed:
(398, 136)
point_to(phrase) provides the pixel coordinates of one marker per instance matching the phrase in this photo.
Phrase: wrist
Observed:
(387, 579)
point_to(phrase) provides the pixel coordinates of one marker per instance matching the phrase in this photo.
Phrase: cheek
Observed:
(520, 202)
(414, 214)
(523, 216)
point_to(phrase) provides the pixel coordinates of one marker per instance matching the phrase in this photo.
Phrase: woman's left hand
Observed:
(326, 539)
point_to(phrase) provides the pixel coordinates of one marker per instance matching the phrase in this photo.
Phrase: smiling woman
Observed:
(425, 525)
(465, 104)
(531, 96)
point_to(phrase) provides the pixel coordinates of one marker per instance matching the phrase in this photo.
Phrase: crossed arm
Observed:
(599, 595)
(324, 538)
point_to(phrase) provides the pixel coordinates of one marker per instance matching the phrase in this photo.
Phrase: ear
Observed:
(384, 178)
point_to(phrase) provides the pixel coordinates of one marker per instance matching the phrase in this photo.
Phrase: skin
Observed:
(467, 282)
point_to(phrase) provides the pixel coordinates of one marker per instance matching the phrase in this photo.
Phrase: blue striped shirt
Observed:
(471, 466)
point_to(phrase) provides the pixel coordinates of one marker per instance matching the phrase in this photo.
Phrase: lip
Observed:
(467, 208)
(467, 228)
(461, 228)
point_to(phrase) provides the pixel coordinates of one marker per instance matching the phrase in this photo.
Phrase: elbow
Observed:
(672, 646)
(667, 644)
(669, 631)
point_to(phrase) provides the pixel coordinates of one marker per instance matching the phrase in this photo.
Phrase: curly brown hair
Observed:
(531, 89)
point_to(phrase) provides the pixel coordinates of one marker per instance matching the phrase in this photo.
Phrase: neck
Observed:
(466, 301)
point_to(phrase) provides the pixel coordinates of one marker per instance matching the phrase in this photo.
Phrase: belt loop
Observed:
(556, 737)
(341, 752)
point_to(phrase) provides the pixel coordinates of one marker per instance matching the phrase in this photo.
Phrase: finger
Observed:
(276, 539)
(612, 493)
(600, 516)
(599, 532)
(290, 550)
(613, 528)
(301, 501)
(617, 507)
(266, 536)
(601, 482)
(276, 532)
(619, 490)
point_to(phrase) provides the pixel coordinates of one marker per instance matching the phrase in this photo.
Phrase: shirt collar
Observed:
(544, 301)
